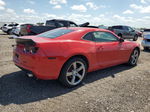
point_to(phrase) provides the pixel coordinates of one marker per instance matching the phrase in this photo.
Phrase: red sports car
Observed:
(68, 54)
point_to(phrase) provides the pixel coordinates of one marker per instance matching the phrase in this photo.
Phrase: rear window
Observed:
(55, 33)
(50, 23)
(10, 25)
(117, 27)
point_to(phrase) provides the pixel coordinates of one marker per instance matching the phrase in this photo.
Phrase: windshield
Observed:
(55, 33)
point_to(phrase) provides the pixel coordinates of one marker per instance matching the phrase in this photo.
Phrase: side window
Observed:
(10, 25)
(89, 36)
(72, 24)
(62, 23)
(50, 23)
(104, 37)
(125, 28)
(130, 29)
(117, 27)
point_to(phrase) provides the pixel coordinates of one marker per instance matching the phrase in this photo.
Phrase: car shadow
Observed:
(17, 88)
(3, 34)
(148, 51)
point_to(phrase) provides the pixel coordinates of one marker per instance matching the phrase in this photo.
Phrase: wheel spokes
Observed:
(73, 79)
(78, 75)
(75, 73)
(80, 68)
(69, 74)
(135, 56)
(75, 65)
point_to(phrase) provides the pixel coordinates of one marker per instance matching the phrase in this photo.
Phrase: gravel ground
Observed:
(116, 89)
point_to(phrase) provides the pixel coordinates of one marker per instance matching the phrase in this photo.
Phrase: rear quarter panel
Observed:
(64, 50)
(81, 47)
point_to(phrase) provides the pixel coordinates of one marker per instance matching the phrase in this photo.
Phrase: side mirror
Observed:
(121, 40)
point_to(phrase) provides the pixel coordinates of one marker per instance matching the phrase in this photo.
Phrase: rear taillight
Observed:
(28, 28)
(30, 49)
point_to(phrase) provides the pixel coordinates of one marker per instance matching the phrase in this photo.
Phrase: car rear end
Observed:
(4, 28)
(29, 55)
(146, 39)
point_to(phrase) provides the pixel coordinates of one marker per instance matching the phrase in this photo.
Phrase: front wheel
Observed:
(73, 72)
(134, 57)
(135, 38)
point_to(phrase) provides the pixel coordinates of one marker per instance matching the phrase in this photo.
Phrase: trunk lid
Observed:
(32, 40)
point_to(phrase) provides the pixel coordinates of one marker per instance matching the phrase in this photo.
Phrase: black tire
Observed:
(9, 32)
(68, 66)
(135, 38)
(133, 59)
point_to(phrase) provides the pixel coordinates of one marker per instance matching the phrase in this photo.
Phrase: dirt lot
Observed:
(116, 89)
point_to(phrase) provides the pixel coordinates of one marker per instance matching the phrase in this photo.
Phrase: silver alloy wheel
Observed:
(134, 56)
(75, 73)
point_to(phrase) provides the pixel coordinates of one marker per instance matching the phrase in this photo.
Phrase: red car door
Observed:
(108, 47)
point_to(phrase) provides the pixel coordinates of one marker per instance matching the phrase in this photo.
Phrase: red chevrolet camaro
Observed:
(68, 54)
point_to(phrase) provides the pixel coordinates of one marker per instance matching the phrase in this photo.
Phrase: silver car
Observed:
(146, 39)
(16, 30)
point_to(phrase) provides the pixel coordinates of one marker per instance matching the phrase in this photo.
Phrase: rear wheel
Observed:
(73, 72)
(135, 38)
(134, 57)
(9, 32)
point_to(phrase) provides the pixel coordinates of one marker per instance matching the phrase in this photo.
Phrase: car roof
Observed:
(79, 32)
(86, 29)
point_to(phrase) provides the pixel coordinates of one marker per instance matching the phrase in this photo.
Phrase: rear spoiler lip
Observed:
(24, 41)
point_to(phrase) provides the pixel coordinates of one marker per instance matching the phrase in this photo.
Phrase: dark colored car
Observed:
(125, 32)
(7, 28)
(29, 29)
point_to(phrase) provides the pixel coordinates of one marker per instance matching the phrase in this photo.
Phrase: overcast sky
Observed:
(134, 13)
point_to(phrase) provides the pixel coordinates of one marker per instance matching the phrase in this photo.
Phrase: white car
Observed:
(16, 30)
(146, 39)
(7, 28)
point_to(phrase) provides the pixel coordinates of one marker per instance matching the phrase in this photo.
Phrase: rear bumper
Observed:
(40, 66)
(145, 43)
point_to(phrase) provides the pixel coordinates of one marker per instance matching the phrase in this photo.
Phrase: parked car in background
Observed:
(68, 54)
(29, 29)
(124, 32)
(146, 39)
(139, 33)
(7, 28)
(16, 29)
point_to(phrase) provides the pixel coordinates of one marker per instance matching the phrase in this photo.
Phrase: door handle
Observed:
(100, 48)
